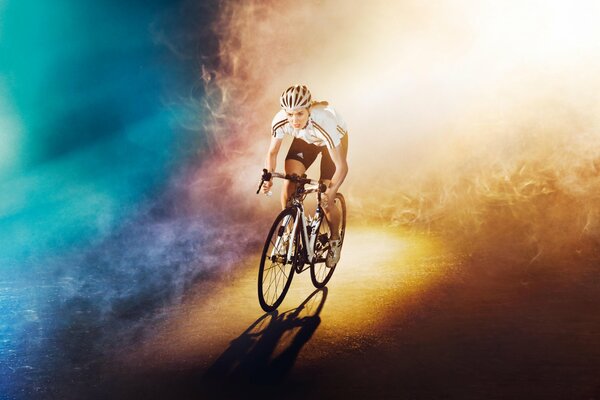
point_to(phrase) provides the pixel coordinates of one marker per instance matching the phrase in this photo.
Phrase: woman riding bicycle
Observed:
(317, 129)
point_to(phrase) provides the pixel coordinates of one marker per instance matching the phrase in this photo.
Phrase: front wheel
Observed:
(320, 273)
(276, 267)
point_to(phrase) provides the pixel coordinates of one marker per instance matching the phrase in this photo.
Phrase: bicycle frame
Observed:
(307, 238)
(295, 246)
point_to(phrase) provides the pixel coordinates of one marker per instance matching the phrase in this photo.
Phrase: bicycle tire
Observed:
(320, 273)
(275, 276)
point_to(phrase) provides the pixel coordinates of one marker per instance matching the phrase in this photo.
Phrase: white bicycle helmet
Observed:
(295, 97)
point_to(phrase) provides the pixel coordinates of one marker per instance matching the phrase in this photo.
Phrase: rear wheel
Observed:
(320, 273)
(276, 272)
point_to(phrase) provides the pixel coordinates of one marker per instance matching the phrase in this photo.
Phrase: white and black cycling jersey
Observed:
(325, 127)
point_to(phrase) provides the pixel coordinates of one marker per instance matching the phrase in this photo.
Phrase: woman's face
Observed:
(299, 118)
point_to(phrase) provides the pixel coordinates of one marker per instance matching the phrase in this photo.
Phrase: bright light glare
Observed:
(451, 105)
(411, 76)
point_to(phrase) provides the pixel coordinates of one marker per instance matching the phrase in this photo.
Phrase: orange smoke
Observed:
(476, 120)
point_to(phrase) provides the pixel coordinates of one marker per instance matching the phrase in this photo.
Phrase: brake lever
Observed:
(266, 176)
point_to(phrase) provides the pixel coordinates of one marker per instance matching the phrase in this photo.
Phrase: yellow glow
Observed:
(378, 269)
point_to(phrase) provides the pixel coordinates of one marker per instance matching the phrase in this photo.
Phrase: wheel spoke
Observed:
(273, 293)
(276, 283)
(270, 275)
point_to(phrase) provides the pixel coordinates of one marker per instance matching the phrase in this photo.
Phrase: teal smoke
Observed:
(88, 128)
(100, 116)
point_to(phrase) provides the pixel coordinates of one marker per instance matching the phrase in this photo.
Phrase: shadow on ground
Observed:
(265, 353)
(254, 365)
(483, 329)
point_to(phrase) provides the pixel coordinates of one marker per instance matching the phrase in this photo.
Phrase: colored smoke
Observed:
(101, 112)
(133, 136)
(477, 121)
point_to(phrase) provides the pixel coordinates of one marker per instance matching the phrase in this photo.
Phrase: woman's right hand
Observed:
(266, 187)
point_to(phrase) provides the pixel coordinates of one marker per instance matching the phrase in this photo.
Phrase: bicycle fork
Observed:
(280, 238)
(307, 239)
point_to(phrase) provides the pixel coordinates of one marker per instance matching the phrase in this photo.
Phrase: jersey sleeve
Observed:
(341, 126)
(326, 125)
(279, 121)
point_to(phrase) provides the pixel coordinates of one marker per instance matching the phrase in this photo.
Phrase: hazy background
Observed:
(100, 111)
(478, 120)
(132, 135)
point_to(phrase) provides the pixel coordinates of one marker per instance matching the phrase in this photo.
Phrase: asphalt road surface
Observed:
(403, 317)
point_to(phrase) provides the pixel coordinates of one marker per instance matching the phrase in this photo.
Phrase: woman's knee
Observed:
(288, 186)
(294, 167)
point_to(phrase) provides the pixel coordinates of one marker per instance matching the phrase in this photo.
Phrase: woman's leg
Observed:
(291, 167)
(332, 213)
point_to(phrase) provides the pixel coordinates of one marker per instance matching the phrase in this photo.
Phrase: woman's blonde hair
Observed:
(316, 103)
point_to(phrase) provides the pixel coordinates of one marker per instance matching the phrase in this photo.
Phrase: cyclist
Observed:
(317, 129)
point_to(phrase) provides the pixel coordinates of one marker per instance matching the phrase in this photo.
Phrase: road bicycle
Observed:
(296, 242)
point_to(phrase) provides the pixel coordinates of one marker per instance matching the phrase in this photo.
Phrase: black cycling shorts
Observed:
(307, 153)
